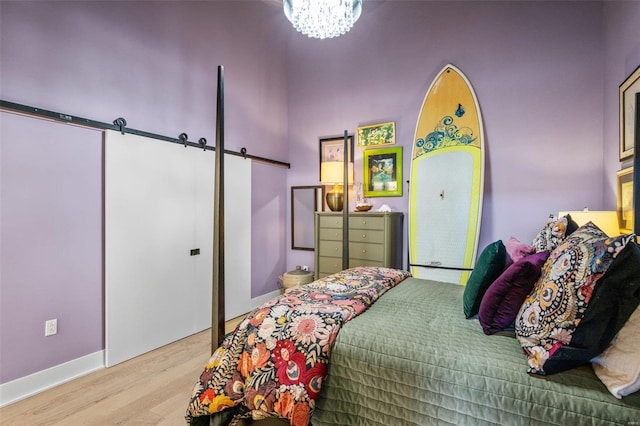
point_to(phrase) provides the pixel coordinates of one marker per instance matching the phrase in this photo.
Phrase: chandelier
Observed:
(322, 18)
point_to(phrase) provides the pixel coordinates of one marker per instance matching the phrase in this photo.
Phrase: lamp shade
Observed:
(332, 172)
(605, 220)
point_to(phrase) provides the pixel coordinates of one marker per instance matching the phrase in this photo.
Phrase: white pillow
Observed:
(618, 367)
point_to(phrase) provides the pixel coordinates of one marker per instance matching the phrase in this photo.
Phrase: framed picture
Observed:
(625, 200)
(377, 134)
(382, 172)
(332, 149)
(627, 94)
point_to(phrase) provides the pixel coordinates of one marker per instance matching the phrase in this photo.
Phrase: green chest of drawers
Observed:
(375, 239)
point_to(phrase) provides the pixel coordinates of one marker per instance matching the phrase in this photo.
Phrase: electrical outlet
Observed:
(51, 327)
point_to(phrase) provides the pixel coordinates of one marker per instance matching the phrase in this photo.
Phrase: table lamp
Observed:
(332, 173)
(607, 221)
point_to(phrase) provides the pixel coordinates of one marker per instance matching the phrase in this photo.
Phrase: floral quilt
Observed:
(274, 363)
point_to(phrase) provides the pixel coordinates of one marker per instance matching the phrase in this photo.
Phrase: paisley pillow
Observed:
(551, 234)
(550, 314)
(615, 297)
(588, 231)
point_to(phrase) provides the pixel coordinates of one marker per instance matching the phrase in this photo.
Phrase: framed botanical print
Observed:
(332, 149)
(627, 94)
(382, 172)
(377, 135)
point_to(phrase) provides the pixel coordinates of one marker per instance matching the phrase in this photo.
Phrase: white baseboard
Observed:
(32, 384)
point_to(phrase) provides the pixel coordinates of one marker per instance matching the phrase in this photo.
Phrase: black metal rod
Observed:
(257, 158)
(345, 208)
(441, 267)
(217, 302)
(72, 119)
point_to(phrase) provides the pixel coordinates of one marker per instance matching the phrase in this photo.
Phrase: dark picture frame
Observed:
(382, 172)
(627, 104)
(625, 205)
(332, 149)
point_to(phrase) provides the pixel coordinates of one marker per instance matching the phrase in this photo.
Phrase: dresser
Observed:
(375, 239)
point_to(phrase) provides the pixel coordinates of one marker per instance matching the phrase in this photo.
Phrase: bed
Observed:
(371, 345)
(410, 357)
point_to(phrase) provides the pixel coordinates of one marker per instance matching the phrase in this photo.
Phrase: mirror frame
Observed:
(318, 205)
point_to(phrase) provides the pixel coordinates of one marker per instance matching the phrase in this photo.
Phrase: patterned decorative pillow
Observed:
(588, 231)
(489, 266)
(503, 299)
(550, 314)
(551, 234)
(615, 297)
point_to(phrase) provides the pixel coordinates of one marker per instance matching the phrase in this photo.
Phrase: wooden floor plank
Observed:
(153, 388)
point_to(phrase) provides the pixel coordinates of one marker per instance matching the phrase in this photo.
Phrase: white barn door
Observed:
(158, 208)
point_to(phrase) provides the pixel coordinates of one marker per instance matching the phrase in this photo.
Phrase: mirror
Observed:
(305, 201)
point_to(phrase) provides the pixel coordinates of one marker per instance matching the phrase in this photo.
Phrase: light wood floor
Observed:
(152, 389)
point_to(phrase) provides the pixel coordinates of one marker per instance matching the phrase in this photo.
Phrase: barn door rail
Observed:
(120, 125)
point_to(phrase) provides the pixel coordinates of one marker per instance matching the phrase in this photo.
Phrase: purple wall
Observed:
(153, 63)
(51, 192)
(269, 211)
(621, 58)
(537, 69)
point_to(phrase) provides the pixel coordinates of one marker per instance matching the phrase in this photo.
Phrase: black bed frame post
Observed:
(345, 209)
(217, 311)
(636, 170)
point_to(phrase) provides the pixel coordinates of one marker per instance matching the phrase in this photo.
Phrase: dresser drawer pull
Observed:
(364, 236)
(364, 251)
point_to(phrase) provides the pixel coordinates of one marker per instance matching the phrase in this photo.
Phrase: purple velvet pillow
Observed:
(502, 301)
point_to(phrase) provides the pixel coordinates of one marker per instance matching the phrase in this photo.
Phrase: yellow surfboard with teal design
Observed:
(447, 181)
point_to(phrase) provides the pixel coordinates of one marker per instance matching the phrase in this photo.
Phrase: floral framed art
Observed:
(625, 200)
(332, 149)
(377, 134)
(382, 172)
(627, 94)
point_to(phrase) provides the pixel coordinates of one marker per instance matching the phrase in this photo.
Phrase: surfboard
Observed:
(446, 181)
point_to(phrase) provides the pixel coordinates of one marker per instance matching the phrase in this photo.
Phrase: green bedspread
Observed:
(413, 359)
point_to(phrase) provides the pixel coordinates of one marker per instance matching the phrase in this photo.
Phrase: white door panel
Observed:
(158, 207)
